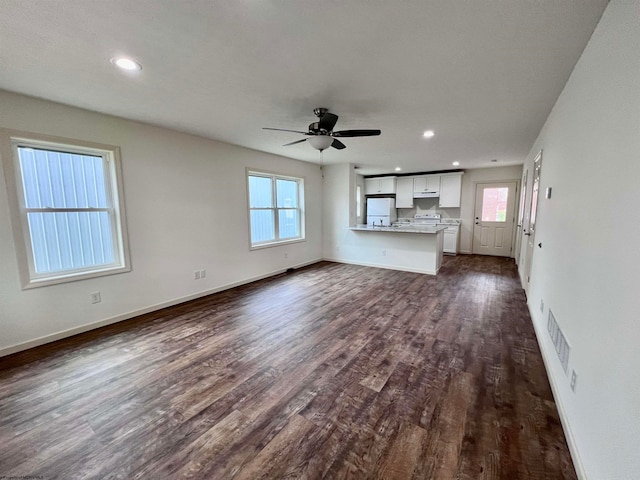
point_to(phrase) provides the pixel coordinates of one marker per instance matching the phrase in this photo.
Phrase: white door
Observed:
(521, 217)
(530, 232)
(494, 218)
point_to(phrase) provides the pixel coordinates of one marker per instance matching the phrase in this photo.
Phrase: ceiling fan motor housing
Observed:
(315, 128)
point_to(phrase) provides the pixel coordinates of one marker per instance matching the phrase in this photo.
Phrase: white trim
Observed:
(134, 313)
(564, 421)
(274, 177)
(10, 141)
(388, 267)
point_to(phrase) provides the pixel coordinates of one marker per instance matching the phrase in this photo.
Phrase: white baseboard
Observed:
(388, 267)
(128, 315)
(566, 427)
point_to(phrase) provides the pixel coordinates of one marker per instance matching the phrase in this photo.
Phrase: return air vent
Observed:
(559, 340)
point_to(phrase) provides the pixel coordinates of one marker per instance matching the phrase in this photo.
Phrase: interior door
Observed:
(530, 232)
(494, 218)
(521, 218)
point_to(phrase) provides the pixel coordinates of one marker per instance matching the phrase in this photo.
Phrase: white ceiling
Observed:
(484, 74)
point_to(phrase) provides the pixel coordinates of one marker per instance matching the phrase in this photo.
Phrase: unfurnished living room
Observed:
(314, 240)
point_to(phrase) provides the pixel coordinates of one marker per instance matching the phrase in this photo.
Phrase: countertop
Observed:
(400, 229)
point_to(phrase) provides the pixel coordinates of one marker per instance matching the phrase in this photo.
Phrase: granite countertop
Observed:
(400, 229)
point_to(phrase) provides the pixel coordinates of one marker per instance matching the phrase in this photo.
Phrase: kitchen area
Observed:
(412, 203)
(399, 222)
(432, 215)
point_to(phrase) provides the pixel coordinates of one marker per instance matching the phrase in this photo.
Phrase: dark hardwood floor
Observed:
(333, 371)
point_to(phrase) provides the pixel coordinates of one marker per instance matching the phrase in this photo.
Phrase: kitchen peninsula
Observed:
(407, 247)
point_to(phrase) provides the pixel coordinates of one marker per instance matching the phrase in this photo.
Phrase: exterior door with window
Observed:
(494, 218)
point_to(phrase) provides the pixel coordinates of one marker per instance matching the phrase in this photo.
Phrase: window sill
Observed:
(73, 277)
(276, 244)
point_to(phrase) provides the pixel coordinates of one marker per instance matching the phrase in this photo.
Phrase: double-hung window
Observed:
(69, 211)
(276, 213)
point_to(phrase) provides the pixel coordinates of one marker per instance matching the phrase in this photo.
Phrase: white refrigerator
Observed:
(381, 211)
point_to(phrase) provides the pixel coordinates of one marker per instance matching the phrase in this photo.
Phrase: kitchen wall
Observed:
(586, 272)
(186, 206)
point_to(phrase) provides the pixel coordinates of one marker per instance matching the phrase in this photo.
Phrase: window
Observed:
(69, 211)
(276, 212)
(494, 204)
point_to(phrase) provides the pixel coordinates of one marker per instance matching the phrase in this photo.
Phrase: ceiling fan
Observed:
(321, 134)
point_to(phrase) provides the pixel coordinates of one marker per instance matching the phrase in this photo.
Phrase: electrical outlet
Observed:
(95, 297)
(203, 274)
(196, 275)
(574, 379)
(384, 253)
(286, 255)
(542, 306)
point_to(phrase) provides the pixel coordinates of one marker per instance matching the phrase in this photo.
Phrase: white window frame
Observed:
(301, 212)
(9, 143)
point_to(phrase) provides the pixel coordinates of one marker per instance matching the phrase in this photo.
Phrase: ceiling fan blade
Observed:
(356, 133)
(285, 130)
(328, 121)
(338, 144)
(293, 143)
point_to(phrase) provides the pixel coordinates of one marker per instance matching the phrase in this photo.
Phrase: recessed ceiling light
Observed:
(398, 169)
(455, 164)
(126, 64)
(428, 134)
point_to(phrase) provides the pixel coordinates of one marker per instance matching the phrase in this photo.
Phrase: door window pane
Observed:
(494, 204)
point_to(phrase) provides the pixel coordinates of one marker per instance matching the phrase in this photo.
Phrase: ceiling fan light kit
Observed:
(321, 135)
(320, 142)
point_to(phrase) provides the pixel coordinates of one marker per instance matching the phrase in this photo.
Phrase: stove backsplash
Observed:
(427, 205)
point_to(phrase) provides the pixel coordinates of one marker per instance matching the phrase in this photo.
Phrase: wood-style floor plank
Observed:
(332, 371)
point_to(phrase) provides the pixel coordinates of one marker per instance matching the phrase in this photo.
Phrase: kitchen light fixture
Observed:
(127, 64)
(455, 164)
(398, 169)
(320, 142)
(428, 134)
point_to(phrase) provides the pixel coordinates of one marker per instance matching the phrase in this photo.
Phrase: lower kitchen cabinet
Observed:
(450, 244)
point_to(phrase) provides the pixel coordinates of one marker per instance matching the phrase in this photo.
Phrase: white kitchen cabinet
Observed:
(404, 192)
(373, 186)
(450, 190)
(450, 244)
(426, 184)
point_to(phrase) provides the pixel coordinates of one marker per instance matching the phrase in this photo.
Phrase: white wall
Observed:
(470, 179)
(587, 269)
(186, 207)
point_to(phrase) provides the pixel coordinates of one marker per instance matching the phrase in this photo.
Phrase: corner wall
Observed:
(587, 269)
(186, 205)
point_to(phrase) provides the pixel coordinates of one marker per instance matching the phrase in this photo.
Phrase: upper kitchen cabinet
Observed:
(374, 186)
(404, 192)
(426, 185)
(450, 190)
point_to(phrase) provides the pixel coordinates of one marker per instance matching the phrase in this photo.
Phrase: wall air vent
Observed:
(559, 340)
